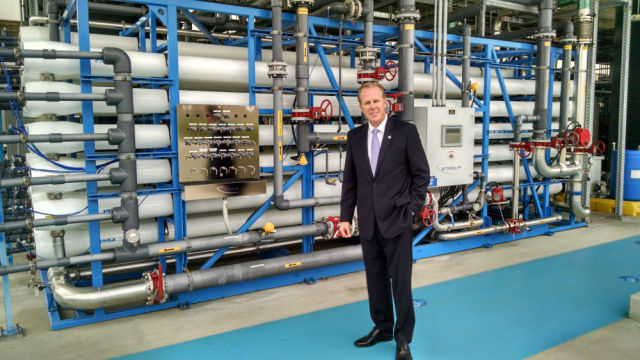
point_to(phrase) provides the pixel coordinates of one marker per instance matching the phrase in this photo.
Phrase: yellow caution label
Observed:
(409, 26)
(305, 51)
(303, 10)
(171, 249)
(339, 138)
(547, 43)
(279, 122)
(567, 47)
(280, 150)
(290, 265)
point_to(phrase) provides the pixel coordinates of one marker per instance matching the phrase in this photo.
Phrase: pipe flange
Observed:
(277, 69)
(403, 14)
(355, 9)
(367, 53)
(566, 40)
(300, 115)
(293, 3)
(150, 288)
(366, 75)
(544, 33)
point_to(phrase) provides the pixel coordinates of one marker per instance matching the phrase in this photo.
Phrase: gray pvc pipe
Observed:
(466, 65)
(406, 28)
(302, 52)
(51, 138)
(327, 138)
(278, 197)
(54, 180)
(542, 68)
(368, 23)
(333, 8)
(183, 282)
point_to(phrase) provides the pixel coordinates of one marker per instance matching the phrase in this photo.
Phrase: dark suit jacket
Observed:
(399, 187)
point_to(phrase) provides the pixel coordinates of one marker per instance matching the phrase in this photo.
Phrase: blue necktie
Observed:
(375, 150)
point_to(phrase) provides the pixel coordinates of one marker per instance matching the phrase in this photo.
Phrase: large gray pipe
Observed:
(407, 16)
(544, 35)
(155, 250)
(368, 23)
(567, 40)
(178, 283)
(127, 148)
(466, 65)
(278, 70)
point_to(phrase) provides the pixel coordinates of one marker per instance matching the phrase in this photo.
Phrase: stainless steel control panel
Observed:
(217, 143)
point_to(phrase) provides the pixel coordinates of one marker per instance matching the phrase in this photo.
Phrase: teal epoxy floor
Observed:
(508, 313)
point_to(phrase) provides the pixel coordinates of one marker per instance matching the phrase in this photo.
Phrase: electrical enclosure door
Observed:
(447, 137)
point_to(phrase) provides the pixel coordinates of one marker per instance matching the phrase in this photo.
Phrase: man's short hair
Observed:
(370, 85)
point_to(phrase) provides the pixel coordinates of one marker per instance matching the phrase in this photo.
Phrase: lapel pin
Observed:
(389, 137)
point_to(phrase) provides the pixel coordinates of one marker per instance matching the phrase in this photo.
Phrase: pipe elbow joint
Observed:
(281, 203)
(118, 58)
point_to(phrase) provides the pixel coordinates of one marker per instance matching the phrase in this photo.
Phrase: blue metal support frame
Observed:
(11, 329)
(166, 12)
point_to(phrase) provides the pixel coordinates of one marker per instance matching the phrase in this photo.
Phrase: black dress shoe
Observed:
(403, 352)
(374, 337)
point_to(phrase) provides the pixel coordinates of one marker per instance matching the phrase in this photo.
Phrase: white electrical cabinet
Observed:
(447, 137)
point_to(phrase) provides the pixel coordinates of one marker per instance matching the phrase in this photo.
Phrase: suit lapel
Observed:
(365, 140)
(386, 140)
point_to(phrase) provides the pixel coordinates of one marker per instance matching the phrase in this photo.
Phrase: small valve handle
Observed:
(326, 110)
(391, 70)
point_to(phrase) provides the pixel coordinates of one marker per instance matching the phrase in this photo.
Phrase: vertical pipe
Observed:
(515, 189)
(443, 50)
(276, 9)
(622, 104)
(466, 65)
(52, 10)
(436, 42)
(544, 34)
(566, 76)
(302, 48)
(368, 24)
(407, 16)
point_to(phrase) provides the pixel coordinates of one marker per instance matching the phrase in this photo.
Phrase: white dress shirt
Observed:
(380, 135)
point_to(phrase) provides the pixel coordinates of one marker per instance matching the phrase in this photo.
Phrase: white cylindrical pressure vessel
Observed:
(145, 101)
(143, 64)
(75, 203)
(147, 136)
(149, 171)
(504, 173)
(98, 41)
(76, 238)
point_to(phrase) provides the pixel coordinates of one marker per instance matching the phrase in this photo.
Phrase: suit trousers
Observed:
(388, 264)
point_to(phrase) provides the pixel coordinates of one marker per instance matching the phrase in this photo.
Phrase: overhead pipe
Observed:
(498, 228)
(406, 16)
(456, 16)
(351, 9)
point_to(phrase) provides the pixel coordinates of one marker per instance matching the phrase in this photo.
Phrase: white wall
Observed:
(10, 10)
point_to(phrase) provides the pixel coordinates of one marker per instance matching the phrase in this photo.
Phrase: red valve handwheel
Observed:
(391, 70)
(525, 149)
(326, 108)
(600, 147)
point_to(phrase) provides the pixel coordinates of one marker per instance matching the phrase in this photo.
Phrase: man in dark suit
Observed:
(386, 176)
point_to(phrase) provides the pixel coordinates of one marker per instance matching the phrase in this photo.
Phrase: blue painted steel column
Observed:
(486, 100)
(179, 215)
(89, 146)
(252, 59)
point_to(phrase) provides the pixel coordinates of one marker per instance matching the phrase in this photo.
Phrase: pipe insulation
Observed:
(149, 171)
(146, 136)
(145, 101)
(98, 41)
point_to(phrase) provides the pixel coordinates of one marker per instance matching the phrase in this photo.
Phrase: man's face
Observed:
(372, 105)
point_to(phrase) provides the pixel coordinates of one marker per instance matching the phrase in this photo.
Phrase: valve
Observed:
(579, 137)
(598, 148)
(497, 195)
(524, 148)
(394, 105)
(268, 228)
(559, 141)
(323, 112)
(157, 277)
(387, 72)
(514, 226)
(334, 224)
(390, 70)
(428, 216)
